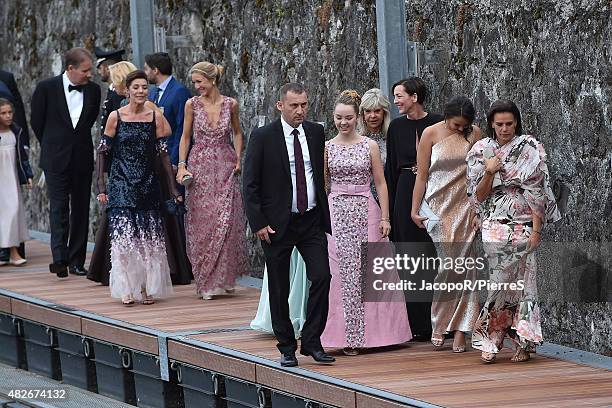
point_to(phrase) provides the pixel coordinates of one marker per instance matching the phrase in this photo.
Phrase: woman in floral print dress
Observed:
(508, 186)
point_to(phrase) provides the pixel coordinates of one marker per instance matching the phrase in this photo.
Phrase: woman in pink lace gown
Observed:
(356, 320)
(214, 222)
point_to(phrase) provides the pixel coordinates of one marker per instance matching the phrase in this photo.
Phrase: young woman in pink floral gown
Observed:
(214, 222)
(352, 161)
(509, 187)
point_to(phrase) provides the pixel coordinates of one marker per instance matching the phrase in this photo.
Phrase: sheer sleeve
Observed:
(104, 151)
(166, 166)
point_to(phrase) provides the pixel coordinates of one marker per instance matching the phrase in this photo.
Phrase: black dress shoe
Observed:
(288, 360)
(319, 356)
(59, 269)
(77, 270)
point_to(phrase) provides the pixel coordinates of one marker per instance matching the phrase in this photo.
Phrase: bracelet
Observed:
(385, 219)
(489, 172)
(183, 162)
(537, 232)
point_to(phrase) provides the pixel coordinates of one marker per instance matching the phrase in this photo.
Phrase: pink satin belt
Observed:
(351, 189)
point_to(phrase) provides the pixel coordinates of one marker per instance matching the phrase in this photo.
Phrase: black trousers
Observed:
(304, 232)
(69, 194)
(405, 230)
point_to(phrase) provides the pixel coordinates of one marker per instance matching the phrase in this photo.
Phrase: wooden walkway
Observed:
(221, 336)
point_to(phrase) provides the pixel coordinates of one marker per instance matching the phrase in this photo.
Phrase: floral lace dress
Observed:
(352, 320)
(215, 222)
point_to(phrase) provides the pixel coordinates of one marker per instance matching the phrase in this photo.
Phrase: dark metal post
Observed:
(141, 23)
(392, 46)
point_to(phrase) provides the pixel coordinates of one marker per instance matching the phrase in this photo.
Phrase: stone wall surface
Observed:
(554, 58)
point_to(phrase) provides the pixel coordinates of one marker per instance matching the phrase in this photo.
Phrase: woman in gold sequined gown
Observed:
(441, 182)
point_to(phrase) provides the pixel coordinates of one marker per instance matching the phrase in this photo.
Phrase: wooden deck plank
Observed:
(311, 389)
(445, 378)
(413, 370)
(5, 304)
(212, 361)
(45, 315)
(120, 336)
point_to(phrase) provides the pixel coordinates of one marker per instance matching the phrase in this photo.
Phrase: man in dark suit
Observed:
(10, 91)
(286, 204)
(170, 95)
(64, 109)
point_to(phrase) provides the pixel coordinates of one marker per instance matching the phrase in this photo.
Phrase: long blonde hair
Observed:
(119, 72)
(374, 99)
(209, 70)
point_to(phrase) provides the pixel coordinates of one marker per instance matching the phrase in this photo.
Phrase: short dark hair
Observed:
(413, 85)
(75, 56)
(503, 106)
(138, 74)
(161, 61)
(291, 87)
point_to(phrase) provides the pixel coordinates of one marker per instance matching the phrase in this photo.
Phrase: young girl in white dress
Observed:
(15, 171)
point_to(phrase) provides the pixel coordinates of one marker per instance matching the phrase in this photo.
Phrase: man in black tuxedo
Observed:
(64, 109)
(286, 204)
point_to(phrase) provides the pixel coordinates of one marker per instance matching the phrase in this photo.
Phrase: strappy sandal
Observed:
(350, 351)
(521, 355)
(487, 357)
(127, 300)
(146, 299)
(437, 342)
(460, 348)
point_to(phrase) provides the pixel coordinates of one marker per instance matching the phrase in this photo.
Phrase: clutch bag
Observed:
(432, 219)
(186, 181)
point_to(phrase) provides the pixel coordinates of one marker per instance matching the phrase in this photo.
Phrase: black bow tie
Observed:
(78, 88)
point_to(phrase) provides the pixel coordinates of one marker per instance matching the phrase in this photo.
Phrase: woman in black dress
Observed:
(400, 171)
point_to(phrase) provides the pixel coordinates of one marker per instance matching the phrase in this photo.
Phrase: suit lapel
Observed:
(61, 98)
(282, 146)
(312, 151)
(167, 91)
(312, 148)
(153, 95)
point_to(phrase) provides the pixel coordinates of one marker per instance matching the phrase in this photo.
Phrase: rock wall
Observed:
(554, 58)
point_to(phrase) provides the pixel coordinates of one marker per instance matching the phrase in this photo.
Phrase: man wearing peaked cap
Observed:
(113, 100)
(106, 59)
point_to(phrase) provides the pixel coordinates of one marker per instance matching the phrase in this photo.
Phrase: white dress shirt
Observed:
(310, 186)
(74, 100)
